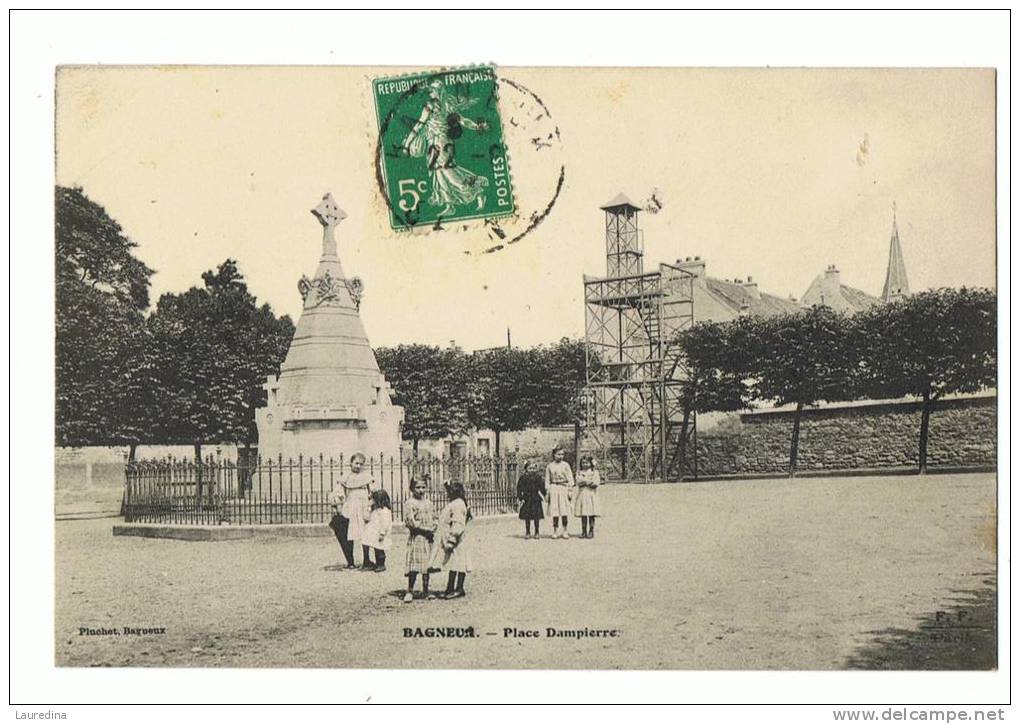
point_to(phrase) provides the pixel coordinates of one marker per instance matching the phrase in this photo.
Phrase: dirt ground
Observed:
(821, 573)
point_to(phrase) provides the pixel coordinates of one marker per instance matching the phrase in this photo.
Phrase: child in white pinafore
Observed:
(376, 535)
(586, 503)
(450, 548)
(559, 486)
(355, 491)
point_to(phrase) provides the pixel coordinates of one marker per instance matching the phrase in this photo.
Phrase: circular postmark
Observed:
(454, 156)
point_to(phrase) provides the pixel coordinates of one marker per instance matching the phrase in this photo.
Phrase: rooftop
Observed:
(618, 201)
(738, 297)
(826, 290)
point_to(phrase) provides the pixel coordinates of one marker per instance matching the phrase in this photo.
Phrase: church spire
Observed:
(896, 274)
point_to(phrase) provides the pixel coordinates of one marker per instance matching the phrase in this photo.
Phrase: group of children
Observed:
(437, 543)
(562, 493)
(361, 515)
(434, 542)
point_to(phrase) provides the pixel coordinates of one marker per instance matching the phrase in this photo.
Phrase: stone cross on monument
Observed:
(329, 215)
(330, 397)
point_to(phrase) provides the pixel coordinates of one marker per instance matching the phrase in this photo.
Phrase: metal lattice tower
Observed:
(624, 246)
(635, 371)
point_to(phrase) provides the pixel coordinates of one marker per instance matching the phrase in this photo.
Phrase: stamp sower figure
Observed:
(356, 485)
(376, 536)
(450, 549)
(559, 482)
(531, 494)
(420, 519)
(432, 136)
(586, 504)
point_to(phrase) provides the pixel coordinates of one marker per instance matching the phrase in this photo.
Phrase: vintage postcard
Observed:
(496, 367)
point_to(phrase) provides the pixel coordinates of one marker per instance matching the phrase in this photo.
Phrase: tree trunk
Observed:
(922, 443)
(497, 455)
(795, 442)
(577, 440)
(198, 472)
(683, 443)
(414, 448)
(131, 452)
(244, 468)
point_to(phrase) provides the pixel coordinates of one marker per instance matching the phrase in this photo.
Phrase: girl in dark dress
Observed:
(531, 494)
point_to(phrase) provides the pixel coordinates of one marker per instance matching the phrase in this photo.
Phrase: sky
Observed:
(773, 174)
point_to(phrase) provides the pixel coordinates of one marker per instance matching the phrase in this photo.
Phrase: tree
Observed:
(714, 382)
(501, 390)
(800, 359)
(431, 385)
(557, 385)
(103, 365)
(92, 248)
(215, 347)
(929, 345)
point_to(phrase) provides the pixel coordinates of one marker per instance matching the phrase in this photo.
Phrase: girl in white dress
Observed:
(450, 549)
(559, 485)
(586, 504)
(357, 486)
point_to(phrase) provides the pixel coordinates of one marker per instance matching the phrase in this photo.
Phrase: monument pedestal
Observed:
(330, 398)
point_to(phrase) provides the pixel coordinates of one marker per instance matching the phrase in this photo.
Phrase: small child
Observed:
(420, 519)
(376, 535)
(531, 494)
(586, 505)
(450, 549)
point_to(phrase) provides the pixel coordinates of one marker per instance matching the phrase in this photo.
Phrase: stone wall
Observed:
(851, 437)
(89, 481)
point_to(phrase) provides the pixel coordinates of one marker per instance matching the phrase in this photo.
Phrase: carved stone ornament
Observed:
(327, 288)
(356, 289)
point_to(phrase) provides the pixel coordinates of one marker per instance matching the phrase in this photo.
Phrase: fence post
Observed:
(127, 491)
(214, 481)
(256, 487)
(301, 484)
(320, 507)
(275, 516)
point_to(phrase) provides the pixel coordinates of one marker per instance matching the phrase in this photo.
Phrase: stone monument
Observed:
(330, 397)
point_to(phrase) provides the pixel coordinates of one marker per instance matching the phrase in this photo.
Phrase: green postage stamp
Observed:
(441, 154)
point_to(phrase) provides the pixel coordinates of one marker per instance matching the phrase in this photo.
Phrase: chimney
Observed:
(695, 266)
(831, 290)
(752, 288)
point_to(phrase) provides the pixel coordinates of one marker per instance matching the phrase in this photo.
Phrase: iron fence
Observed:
(267, 492)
